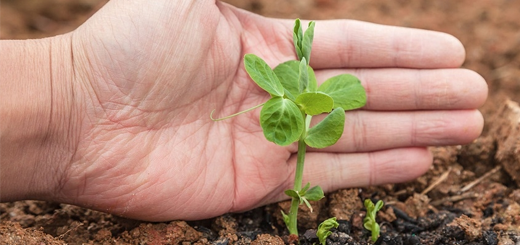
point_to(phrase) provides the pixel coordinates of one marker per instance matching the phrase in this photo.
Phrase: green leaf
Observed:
(307, 41)
(368, 223)
(345, 90)
(286, 218)
(282, 121)
(328, 224)
(313, 83)
(298, 38)
(314, 194)
(263, 75)
(328, 131)
(289, 95)
(288, 74)
(375, 232)
(303, 78)
(373, 209)
(324, 229)
(292, 193)
(307, 203)
(323, 236)
(314, 103)
(371, 213)
(379, 205)
(305, 188)
(369, 205)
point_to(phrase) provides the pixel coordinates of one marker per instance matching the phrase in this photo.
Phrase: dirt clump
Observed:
(12, 233)
(506, 130)
(344, 203)
(177, 232)
(266, 239)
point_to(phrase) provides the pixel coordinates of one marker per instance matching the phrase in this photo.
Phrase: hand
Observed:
(148, 74)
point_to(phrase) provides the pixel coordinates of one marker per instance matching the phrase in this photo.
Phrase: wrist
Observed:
(35, 143)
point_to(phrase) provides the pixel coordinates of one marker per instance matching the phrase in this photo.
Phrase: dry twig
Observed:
(475, 182)
(437, 182)
(455, 198)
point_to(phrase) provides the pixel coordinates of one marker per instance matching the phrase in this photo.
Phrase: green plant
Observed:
(369, 222)
(295, 97)
(324, 229)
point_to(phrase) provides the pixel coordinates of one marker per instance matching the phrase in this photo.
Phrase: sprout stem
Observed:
(298, 179)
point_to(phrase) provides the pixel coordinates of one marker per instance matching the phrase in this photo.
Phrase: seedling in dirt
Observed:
(295, 97)
(369, 222)
(324, 229)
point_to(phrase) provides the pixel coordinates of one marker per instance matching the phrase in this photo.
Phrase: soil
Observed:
(470, 195)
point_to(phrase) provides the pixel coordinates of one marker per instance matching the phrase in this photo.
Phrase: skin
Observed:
(114, 116)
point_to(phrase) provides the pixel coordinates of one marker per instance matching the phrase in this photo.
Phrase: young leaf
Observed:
(303, 78)
(306, 203)
(298, 38)
(282, 121)
(305, 188)
(375, 231)
(314, 103)
(328, 131)
(292, 193)
(314, 194)
(369, 205)
(286, 218)
(288, 95)
(307, 41)
(324, 229)
(369, 222)
(379, 205)
(289, 75)
(345, 90)
(373, 209)
(313, 83)
(373, 227)
(263, 75)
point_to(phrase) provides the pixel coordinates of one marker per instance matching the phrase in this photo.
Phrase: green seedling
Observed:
(324, 229)
(295, 98)
(369, 222)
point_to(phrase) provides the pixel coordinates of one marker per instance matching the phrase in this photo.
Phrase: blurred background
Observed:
(489, 30)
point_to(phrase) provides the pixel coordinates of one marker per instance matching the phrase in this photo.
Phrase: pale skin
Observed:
(114, 116)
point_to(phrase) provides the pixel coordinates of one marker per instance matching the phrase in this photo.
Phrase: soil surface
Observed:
(470, 195)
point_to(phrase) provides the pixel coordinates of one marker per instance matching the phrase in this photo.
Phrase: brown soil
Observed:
(471, 194)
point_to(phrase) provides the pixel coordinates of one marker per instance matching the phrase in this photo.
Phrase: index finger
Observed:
(357, 44)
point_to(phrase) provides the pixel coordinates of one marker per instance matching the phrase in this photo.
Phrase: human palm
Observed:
(150, 73)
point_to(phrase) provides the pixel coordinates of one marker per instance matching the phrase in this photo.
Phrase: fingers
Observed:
(370, 131)
(334, 171)
(409, 89)
(348, 43)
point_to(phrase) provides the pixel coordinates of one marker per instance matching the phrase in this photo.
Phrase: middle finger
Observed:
(411, 89)
(367, 131)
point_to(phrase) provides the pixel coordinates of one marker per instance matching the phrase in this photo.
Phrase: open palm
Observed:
(148, 75)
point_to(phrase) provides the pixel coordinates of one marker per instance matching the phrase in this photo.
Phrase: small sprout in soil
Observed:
(324, 229)
(369, 222)
(295, 97)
